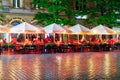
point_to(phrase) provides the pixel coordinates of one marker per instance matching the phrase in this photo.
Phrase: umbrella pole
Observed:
(68, 38)
(60, 37)
(37, 35)
(25, 37)
(78, 37)
(117, 37)
(54, 37)
(83, 37)
(9, 37)
(100, 36)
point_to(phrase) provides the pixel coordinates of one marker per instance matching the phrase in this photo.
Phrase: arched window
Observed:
(16, 3)
(15, 23)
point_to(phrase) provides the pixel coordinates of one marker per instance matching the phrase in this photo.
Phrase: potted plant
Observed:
(33, 45)
(87, 44)
(4, 46)
(27, 45)
(48, 47)
(11, 45)
(103, 44)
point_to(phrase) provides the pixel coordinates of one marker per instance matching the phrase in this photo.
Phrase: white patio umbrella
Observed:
(117, 29)
(55, 28)
(3, 29)
(2, 26)
(7, 25)
(102, 30)
(79, 29)
(24, 28)
(40, 29)
(68, 31)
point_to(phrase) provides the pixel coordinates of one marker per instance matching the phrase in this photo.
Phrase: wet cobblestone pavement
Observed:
(69, 66)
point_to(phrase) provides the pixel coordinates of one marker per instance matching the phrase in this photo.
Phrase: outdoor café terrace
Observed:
(33, 40)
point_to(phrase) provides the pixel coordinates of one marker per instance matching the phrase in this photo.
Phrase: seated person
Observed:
(14, 40)
(83, 40)
(27, 41)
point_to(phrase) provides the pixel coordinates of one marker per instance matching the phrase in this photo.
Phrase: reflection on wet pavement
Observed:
(69, 66)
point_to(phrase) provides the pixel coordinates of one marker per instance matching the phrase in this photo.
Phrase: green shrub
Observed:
(4, 45)
(10, 45)
(87, 44)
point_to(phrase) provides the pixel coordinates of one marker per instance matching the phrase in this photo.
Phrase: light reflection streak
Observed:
(1, 69)
(19, 68)
(67, 66)
(76, 68)
(13, 71)
(59, 68)
(107, 65)
(15, 68)
(37, 69)
(91, 67)
(67, 62)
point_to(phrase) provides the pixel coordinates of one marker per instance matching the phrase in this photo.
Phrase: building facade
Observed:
(17, 11)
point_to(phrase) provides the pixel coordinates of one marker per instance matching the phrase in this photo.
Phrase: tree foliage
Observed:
(59, 11)
(104, 12)
(2, 18)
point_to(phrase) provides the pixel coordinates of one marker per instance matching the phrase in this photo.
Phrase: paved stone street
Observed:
(69, 66)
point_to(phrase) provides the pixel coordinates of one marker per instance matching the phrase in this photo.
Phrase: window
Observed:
(16, 3)
(15, 23)
(36, 6)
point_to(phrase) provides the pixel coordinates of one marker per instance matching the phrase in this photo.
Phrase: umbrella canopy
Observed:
(67, 29)
(116, 29)
(79, 29)
(3, 29)
(40, 28)
(7, 25)
(102, 30)
(2, 26)
(24, 28)
(54, 28)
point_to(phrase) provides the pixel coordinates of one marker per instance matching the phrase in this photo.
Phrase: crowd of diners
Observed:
(51, 45)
